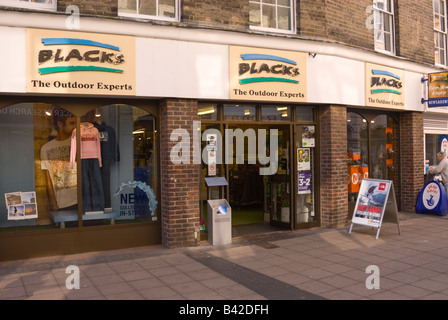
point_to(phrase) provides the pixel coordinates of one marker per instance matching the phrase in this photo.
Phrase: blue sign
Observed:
(432, 199)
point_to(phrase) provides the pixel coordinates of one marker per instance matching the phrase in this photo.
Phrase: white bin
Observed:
(219, 216)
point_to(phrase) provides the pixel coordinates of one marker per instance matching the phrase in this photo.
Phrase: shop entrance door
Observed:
(260, 202)
(305, 181)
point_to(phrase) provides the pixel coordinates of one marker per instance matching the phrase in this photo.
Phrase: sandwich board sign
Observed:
(376, 204)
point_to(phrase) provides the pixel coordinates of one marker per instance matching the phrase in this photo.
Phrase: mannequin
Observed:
(92, 187)
(110, 153)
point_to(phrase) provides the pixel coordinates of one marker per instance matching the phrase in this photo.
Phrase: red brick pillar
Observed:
(179, 182)
(333, 166)
(412, 159)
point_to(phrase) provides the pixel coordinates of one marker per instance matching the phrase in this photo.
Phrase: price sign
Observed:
(304, 182)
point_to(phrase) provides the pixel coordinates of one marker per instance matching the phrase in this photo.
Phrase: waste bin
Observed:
(219, 216)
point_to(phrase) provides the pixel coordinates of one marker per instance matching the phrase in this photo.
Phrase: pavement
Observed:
(317, 264)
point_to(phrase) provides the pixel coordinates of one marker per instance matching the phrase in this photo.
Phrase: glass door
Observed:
(305, 176)
(279, 186)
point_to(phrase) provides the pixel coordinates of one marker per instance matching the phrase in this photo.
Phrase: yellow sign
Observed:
(384, 87)
(268, 75)
(79, 63)
(438, 89)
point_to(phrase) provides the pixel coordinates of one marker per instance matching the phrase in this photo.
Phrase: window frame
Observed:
(440, 33)
(379, 17)
(151, 17)
(30, 5)
(292, 7)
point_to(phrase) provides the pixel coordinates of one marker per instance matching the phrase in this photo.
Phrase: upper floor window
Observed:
(31, 4)
(272, 15)
(384, 26)
(440, 34)
(149, 9)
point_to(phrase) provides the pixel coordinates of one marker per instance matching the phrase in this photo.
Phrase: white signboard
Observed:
(376, 200)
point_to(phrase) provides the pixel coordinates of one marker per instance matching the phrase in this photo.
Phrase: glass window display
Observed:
(44, 186)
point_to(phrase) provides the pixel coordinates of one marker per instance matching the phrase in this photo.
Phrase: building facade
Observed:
(109, 111)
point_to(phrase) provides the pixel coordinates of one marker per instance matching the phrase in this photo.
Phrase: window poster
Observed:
(304, 182)
(303, 159)
(308, 136)
(21, 205)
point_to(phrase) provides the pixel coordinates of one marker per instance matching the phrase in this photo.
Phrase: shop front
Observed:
(436, 120)
(269, 142)
(373, 136)
(79, 172)
(99, 155)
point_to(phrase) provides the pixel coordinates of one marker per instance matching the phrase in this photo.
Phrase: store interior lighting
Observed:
(49, 112)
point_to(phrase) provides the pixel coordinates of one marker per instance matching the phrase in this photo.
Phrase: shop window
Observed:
(372, 150)
(41, 181)
(357, 153)
(208, 111)
(236, 112)
(35, 165)
(31, 4)
(434, 143)
(384, 147)
(275, 113)
(272, 15)
(122, 178)
(149, 9)
(305, 114)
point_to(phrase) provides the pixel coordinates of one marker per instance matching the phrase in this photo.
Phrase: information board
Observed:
(376, 204)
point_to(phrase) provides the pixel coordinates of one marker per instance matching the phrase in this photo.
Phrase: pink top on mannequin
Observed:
(90, 143)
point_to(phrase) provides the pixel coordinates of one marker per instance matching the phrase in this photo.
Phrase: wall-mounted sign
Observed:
(438, 89)
(79, 63)
(384, 87)
(268, 75)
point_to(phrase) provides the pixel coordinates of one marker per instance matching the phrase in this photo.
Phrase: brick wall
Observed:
(342, 21)
(415, 30)
(180, 182)
(88, 7)
(345, 21)
(311, 19)
(338, 20)
(333, 166)
(229, 13)
(412, 159)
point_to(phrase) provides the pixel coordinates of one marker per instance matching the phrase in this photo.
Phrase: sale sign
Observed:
(304, 182)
